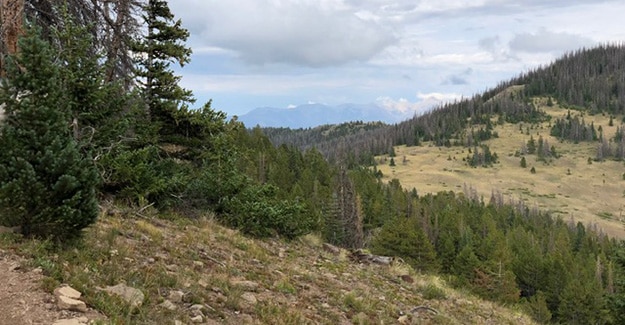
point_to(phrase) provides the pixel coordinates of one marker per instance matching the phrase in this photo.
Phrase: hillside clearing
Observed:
(569, 187)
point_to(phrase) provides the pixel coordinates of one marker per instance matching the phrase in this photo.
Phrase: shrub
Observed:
(257, 211)
(141, 175)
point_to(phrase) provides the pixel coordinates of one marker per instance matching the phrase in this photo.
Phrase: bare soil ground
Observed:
(22, 301)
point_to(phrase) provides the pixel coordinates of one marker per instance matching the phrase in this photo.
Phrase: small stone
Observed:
(161, 256)
(246, 285)
(131, 295)
(177, 322)
(168, 305)
(175, 296)
(198, 263)
(406, 278)
(72, 321)
(246, 319)
(196, 312)
(325, 305)
(403, 320)
(249, 298)
(202, 283)
(151, 260)
(197, 319)
(37, 270)
(67, 291)
(67, 303)
(197, 307)
(331, 249)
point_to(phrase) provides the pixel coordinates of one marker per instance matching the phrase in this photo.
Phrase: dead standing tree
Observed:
(11, 22)
(112, 24)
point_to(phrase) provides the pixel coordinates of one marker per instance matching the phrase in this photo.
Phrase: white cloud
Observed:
(425, 102)
(547, 41)
(308, 33)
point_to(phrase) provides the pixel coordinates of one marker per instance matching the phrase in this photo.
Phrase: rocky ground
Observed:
(152, 271)
(23, 301)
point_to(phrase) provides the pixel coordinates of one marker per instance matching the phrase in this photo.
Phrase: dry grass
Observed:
(568, 187)
(297, 282)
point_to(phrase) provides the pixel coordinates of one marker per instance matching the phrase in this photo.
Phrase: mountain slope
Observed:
(232, 279)
(588, 79)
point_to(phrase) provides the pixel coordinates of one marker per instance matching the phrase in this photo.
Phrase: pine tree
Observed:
(96, 105)
(47, 187)
(404, 237)
(164, 44)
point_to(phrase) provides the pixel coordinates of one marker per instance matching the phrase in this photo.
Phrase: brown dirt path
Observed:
(22, 300)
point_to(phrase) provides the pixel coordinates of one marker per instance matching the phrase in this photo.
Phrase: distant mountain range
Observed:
(311, 115)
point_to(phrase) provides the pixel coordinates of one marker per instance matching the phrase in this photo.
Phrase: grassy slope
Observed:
(298, 282)
(592, 193)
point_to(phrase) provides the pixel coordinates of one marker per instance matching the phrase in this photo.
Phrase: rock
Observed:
(245, 319)
(197, 307)
(202, 283)
(129, 294)
(67, 291)
(404, 320)
(175, 296)
(168, 305)
(72, 321)
(67, 303)
(177, 322)
(249, 298)
(246, 285)
(196, 312)
(161, 256)
(406, 278)
(331, 249)
(197, 319)
(198, 263)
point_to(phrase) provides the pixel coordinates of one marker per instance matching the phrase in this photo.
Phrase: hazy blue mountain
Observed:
(311, 115)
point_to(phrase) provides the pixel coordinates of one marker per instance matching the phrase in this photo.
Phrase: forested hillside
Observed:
(589, 79)
(81, 130)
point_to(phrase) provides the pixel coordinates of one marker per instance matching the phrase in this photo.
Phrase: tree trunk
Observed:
(11, 22)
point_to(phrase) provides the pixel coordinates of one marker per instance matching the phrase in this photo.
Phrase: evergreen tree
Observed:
(47, 187)
(405, 237)
(523, 162)
(95, 104)
(164, 44)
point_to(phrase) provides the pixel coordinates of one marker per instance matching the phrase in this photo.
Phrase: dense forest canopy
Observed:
(87, 119)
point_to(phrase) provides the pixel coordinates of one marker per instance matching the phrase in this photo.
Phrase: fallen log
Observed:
(366, 258)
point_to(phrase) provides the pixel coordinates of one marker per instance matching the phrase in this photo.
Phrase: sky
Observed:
(404, 55)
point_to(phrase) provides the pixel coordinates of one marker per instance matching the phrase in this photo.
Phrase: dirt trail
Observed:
(22, 300)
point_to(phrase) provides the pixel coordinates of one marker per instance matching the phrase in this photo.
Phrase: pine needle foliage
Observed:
(47, 186)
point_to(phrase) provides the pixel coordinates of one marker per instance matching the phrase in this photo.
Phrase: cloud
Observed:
(306, 32)
(547, 41)
(426, 101)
